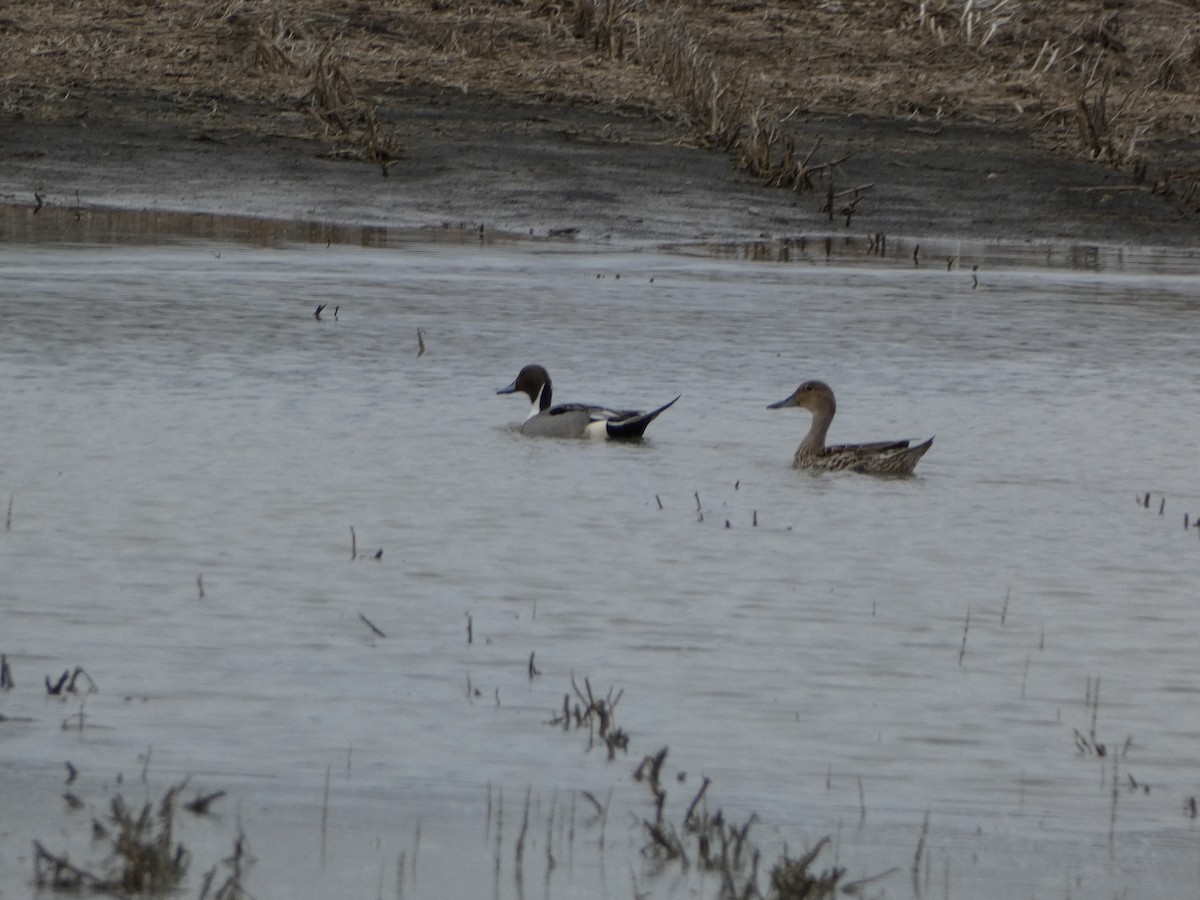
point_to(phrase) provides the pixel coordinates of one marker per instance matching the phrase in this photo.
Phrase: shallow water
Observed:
(871, 656)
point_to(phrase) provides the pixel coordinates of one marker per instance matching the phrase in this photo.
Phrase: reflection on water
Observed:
(187, 448)
(91, 225)
(86, 225)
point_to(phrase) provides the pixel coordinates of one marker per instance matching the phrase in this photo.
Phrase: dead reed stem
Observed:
(416, 849)
(1112, 817)
(550, 861)
(519, 851)
(966, 627)
(325, 814)
(374, 628)
(916, 866)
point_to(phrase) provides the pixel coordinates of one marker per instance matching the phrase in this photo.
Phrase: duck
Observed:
(879, 458)
(576, 420)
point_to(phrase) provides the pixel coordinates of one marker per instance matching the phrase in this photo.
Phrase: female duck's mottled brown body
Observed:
(880, 458)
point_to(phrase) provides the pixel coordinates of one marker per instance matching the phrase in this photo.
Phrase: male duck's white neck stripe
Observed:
(537, 404)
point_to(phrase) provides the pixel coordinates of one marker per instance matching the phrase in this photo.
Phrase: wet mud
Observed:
(472, 163)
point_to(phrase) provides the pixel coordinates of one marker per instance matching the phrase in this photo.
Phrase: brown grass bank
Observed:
(1115, 81)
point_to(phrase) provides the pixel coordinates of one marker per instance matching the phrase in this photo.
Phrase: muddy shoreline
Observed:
(472, 161)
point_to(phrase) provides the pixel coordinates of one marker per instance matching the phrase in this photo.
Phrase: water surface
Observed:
(871, 656)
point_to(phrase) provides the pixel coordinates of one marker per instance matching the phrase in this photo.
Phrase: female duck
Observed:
(881, 458)
(575, 420)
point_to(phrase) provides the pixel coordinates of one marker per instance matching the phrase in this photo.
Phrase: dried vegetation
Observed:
(710, 841)
(1111, 79)
(144, 858)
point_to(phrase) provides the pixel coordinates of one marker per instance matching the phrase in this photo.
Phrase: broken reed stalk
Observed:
(571, 831)
(916, 866)
(519, 852)
(690, 814)
(1112, 817)
(487, 823)
(649, 770)
(325, 814)
(604, 820)
(1087, 744)
(416, 849)
(372, 626)
(550, 861)
(200, 805)
(1092, 696)
(966, 627)
(499, 826)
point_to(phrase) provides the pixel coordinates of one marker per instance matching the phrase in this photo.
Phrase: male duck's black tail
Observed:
(632, 427)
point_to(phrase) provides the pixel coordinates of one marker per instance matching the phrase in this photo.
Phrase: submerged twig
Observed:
(371, 625)
(966, 627)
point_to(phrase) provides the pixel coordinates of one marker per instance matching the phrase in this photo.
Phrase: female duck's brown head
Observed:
(816, 396)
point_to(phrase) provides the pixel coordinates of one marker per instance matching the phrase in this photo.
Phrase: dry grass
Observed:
(1115, 87)
(1120, 83)
(144, 859)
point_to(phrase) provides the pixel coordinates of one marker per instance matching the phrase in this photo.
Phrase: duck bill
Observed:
(511, 389)
(784, 403)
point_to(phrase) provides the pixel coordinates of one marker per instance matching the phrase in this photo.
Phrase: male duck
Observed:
(881, 458)
(574, 420)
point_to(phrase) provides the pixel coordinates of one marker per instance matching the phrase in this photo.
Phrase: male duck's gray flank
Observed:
(880, 458)
(575, 420)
